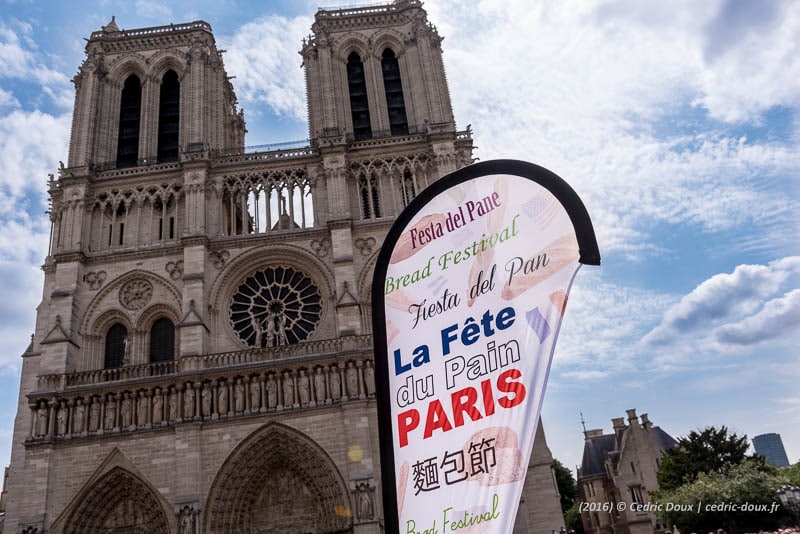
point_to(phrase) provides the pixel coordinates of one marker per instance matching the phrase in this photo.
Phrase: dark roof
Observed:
(664, 440)
(594, 450)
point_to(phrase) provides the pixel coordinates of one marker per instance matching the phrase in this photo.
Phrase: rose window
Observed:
(136, 294)
(275, 306)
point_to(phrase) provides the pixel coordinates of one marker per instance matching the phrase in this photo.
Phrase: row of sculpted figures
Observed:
(66, 417)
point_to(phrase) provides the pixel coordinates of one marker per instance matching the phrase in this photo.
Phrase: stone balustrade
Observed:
(148, 32)
(322, 348)
(212, 391)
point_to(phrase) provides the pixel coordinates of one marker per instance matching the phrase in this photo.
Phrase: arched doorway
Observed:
(278, 480)
(118, 503)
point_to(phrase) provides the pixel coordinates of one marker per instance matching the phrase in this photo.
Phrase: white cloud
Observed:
(602, 94)
(602, 322)
(22, 292)
(19, 59)
(589, 375)
(722, 296)
(776, 318)
(263, 55)
(7, 100)
(31, 144)
(752, 59)
(152, 9)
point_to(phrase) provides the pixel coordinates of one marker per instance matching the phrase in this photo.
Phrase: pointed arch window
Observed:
(162, 341)
(370, 197)
(398, 123)
(408, 187)
(116, 341)
(130, 112)
(169, 117)
(359, 106)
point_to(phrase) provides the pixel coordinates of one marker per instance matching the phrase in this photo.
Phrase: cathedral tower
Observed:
(202, 359)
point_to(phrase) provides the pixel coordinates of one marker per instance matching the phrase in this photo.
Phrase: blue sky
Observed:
(677, 124)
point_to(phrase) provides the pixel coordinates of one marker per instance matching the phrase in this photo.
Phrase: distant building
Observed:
(770, 446)
(617, 474)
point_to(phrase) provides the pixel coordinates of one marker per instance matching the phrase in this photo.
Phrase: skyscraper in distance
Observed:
(770, 446)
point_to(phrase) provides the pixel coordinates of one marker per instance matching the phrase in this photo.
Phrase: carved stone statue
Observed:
(351, 374)
(272, 392)
(78, 418)
(125, 411)
(256, 329)
(173, 406)
(369, 378)
(222, 398)
(187, 521)
(61, 419)
(205, 401)
(111, 412)
(188, 402)
(268, 327)
(94, 415)
(238, 396)
(282, 340)
(158, 407)
(41, 420)
(365, 506)
(255, 395)
(319, 385)
(303, 388)
(336, 383)
(126, 352)
(141, 411)
(288, 389)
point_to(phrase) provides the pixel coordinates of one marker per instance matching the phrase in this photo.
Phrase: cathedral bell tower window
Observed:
(395, 103)
(168, 117)
(275, 306)
(130, 112)
(359, 106)
(117, 344)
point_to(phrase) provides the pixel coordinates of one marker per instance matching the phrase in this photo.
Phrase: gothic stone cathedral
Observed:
(202, 359)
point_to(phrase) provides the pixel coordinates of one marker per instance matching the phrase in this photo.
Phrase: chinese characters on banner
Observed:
(471, 286)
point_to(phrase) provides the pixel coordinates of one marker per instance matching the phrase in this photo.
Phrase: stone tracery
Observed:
(274, 307)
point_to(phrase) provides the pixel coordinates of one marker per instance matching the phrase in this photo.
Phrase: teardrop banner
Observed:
(468, 296)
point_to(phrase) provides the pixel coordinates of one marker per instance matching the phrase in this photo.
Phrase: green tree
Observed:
(711, 450)
(568, 489)
(566, 485)
(572, 519)
(700, 506)
(792, 474)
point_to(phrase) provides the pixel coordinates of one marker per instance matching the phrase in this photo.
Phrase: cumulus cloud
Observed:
(776, 318)
(617, 98)
(740, 293)
(752, 55)
(7, 100)
(31, 144)
(19, 59)
(270, 72)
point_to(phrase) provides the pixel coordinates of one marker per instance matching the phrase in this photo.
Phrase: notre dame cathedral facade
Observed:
(202, 358)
